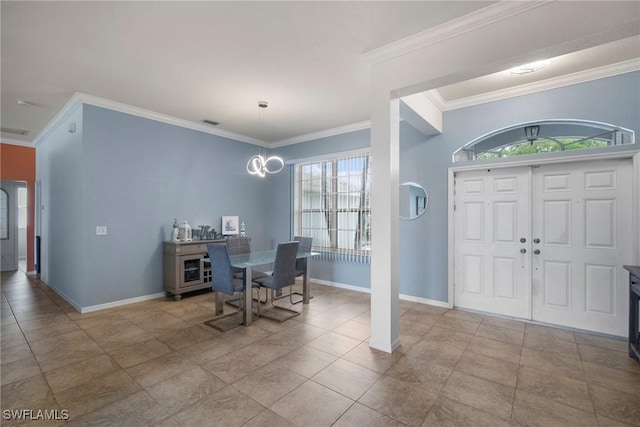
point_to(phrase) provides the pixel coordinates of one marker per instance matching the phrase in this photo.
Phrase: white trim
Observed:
(435, 97)
(72, 104)
(340, 285)
(478, 19)
(547, 159)
(121, 302)
(10, 141)
(450, 235)
(403, 297)
(323, 134)
(64, 297)
(79, 98)
(330, 156)
(539, 86)
(426, 301)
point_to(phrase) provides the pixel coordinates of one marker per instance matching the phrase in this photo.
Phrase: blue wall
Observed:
(424, 241)
(59, 173)
(136, 175)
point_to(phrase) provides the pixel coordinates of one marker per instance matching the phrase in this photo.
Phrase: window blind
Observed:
(333, 206)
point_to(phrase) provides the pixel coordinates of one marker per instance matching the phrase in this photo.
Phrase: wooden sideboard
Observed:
(183, 268)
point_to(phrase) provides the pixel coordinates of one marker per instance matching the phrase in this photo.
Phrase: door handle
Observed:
(523, 251)
(536, 240)
(537, 252)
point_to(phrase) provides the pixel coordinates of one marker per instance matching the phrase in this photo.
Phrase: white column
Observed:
(385, 162)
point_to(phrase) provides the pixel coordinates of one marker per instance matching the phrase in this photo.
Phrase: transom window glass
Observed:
(544, 137)
(333, 205)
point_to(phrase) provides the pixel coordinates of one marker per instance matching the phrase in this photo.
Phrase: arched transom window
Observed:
(543, 137)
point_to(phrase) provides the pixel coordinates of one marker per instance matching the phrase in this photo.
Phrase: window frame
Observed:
(332, 194)
(552, 130)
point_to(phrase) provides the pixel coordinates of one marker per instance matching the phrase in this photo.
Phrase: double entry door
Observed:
(546, 243)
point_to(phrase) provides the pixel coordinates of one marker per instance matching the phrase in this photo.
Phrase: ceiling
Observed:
(216, 60)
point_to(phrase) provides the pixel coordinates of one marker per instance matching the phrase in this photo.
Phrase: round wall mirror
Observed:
(413, 200)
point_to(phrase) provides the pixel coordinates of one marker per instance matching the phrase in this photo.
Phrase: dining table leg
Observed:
(248, 297)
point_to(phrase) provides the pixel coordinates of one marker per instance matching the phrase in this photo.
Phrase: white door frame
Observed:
(523, 161)
(11, 188)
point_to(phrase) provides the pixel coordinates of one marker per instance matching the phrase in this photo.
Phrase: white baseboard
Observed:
(368, 291)
(65, 297)
(340, 285)
(121, 302)
(426, 301)
(97, 307)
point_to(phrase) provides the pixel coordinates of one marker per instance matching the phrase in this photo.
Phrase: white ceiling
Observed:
(216, 60)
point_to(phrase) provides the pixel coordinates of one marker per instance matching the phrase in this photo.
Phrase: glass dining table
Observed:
(249, 260)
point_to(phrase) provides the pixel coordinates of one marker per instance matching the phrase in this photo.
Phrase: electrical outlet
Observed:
(101, 230)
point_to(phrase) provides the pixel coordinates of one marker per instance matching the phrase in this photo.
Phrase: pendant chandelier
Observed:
(261, 165)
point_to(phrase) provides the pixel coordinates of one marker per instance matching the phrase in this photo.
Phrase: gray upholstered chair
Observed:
(223, 283)
(301, 264)
(241, 245)
(237, 246)
(284, 274)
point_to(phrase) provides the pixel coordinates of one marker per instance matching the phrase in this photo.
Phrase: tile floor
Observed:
(155, 363)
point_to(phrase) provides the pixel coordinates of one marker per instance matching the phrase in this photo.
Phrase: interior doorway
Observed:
(546, 243)
(13, 225)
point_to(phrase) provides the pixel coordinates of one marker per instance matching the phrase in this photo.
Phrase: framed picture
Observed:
(230, 225)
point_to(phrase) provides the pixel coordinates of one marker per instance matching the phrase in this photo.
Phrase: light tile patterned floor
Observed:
(155, 363)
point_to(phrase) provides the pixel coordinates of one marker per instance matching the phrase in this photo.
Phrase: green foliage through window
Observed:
(542, 145)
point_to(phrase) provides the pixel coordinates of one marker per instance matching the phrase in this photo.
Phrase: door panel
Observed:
(582, 215)
(492, 215)
(576, 219)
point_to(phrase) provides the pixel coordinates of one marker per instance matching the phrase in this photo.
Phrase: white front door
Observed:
(492, 231)
(8, 226)
(575, 220)
(582, 218)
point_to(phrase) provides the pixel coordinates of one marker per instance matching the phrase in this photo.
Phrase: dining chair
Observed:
(237, 246)
(284, 274)
(301, 264)
(223, 283)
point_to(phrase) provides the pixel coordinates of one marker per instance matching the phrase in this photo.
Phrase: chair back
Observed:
(305, 246)
(238, 245)
(284, 267)
(221, 272)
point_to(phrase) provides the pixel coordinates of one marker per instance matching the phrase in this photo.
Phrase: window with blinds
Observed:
(332, 205)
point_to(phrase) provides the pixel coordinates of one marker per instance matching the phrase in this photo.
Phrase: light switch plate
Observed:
(101, 230)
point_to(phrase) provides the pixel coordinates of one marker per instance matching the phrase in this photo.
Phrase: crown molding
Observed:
(322, 134)
(434, 96)
(58, 119)
(10, 141)
(447, 30)
(163, 118)
(529, 88)
(79, 98)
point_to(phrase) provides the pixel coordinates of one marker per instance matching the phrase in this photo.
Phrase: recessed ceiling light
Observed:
(528, 68)
(25, 103)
